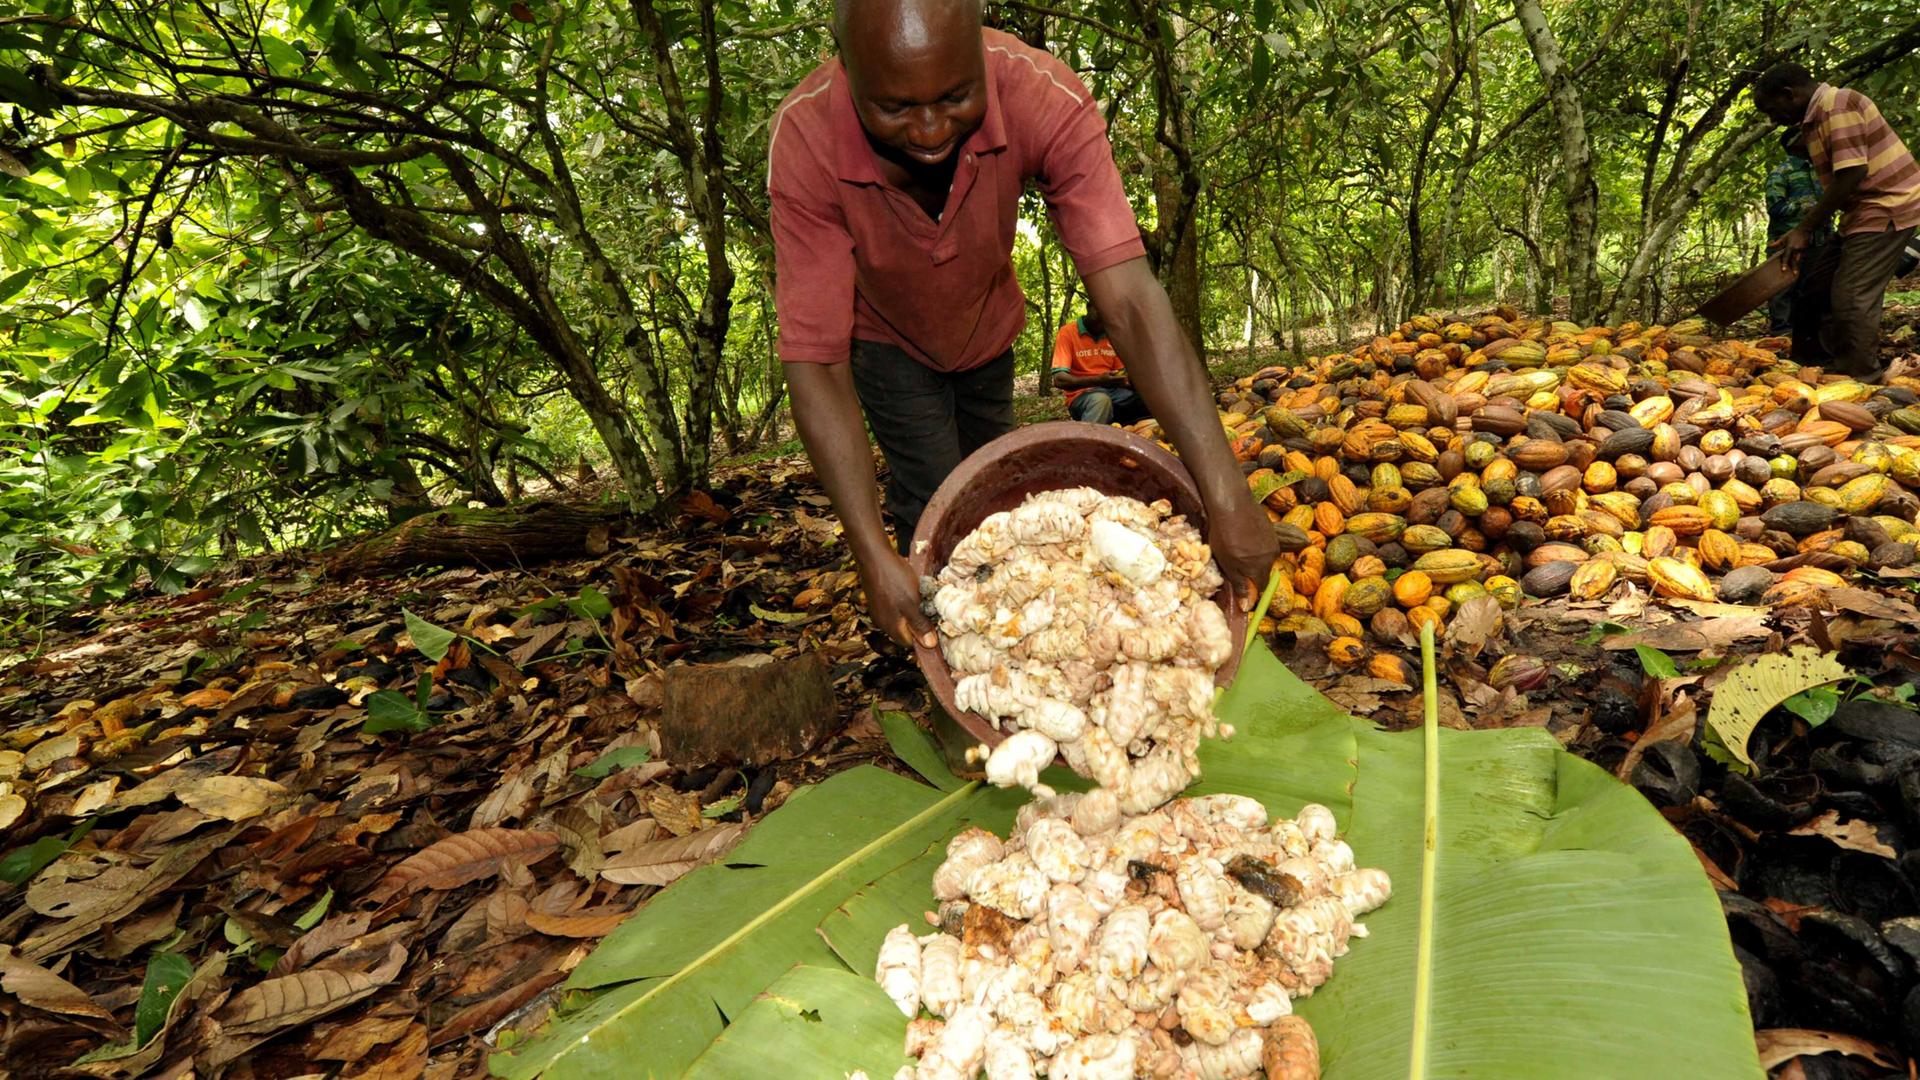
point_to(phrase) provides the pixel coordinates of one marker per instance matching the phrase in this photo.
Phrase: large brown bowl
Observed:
(1044, 457)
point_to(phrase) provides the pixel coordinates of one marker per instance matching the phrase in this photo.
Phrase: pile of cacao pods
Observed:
(1514, 457)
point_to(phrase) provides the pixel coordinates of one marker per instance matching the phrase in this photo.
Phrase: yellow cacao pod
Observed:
(1331, 595)
(1329, 519)
(1679, 579)
(1366, 596)
(1449, 567)
(1719, 550)
(1504, 589)
(1722, 508)
(1390, 668)
(1593, 580)
(1861, 494)
(1344, 495)
(1412, 588)
(1379, 528)
(1346, 651)
(1684, 520)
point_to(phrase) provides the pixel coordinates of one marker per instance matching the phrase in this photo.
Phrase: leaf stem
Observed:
(1430, 846)
(1260, 610)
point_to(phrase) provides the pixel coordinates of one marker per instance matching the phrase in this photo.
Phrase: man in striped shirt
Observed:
(1873, 182)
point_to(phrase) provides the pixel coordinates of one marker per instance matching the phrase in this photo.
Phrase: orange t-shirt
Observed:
(1078, 353)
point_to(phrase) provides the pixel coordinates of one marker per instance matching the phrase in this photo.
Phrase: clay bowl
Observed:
(1043, 457)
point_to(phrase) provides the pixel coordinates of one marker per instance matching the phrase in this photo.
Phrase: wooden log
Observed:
(491, 538)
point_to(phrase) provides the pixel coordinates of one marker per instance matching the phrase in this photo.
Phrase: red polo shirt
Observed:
(856, 257)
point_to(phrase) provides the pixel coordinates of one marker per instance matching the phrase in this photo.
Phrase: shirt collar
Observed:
(854, 155)
(1817, 104)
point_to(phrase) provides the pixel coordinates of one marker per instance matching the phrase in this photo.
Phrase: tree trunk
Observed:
(492, 538)
(1420, 269)
(1174, 242)
(1535, 274)
(1576, 163)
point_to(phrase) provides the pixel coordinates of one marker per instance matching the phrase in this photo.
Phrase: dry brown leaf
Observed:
(406, 1060)
(306, 996)
(1476, 622)
(1873, 605)
(180, 776)
(464, 857)
(206, 698)
(1677, 723)
(36, 986)
(11, 808)
(124, 938)
(506, 914)
(369, 825)
(678, 812)
(235, 798)
(1716, 634)
(47, 751)
(94, 796)
(593, 922)
(1779, 1045)
(1852, 835)
(356, 1037)
(537, 639)
(663, 861)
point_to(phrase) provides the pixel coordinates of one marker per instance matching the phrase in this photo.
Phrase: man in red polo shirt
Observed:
(895, 173)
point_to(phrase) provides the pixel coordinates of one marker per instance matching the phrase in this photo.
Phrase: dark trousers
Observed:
(1780, 310)
(1842, 287)
(926, 421)
(1108, 405)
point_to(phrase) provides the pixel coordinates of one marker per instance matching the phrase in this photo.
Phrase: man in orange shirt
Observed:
(1092, 374)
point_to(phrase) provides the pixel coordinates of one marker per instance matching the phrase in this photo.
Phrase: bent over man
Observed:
(1873, 182)
(895, 172)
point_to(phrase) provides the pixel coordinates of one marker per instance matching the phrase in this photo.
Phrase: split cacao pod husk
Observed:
(1679, 579)
(1593, 580)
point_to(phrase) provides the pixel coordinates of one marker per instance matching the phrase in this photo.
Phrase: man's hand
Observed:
(1795, 244)
(1118, 381)
(1244, 546)
(893, 600)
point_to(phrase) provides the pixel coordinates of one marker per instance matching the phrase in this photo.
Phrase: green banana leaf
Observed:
(1569, 932)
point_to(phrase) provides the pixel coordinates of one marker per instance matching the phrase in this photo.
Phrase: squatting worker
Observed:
(1792, 190)
(1871, 179)
(1086, 366)
(895, 172)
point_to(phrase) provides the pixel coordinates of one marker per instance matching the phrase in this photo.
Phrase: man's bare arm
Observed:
(1164, 369)
(827, 412)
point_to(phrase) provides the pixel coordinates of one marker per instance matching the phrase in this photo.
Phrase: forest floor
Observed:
(286, 824)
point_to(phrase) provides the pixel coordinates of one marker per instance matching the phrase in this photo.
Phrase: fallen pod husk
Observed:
(1502, 455)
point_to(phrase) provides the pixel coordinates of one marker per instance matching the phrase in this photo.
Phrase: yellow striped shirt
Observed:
(1845, 130)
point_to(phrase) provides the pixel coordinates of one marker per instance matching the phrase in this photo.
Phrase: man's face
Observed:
(1785, 108)
(918, 78)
